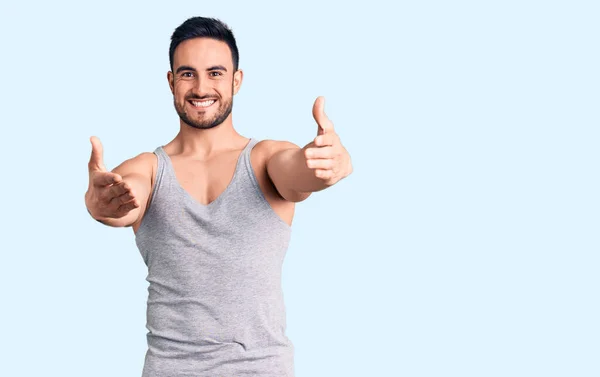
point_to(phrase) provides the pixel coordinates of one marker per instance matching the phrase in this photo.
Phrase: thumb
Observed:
(325, 125)
(96, 159)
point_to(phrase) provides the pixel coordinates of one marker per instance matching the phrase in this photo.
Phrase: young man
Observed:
(212, 212)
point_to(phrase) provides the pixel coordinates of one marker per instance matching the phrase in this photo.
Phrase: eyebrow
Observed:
(217, 68)
(185, 68)
(188, 68)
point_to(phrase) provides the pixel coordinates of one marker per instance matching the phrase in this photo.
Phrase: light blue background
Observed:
(464, 244)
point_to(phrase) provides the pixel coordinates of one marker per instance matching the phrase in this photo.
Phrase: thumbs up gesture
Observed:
(326, 155)
(108, 196)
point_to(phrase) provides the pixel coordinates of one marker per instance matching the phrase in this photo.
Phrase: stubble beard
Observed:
(205, 124)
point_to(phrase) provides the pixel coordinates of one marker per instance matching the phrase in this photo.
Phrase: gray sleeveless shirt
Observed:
(215, 304)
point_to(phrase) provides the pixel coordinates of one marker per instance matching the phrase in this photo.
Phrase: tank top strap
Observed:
(248, 149)
(246, 166)
(159, 152)
(162, 168)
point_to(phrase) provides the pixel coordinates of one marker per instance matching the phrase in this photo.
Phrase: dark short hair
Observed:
(197, 27)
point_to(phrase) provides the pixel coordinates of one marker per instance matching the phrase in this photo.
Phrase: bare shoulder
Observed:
(261, 153)
(267, 148)
(143, 164)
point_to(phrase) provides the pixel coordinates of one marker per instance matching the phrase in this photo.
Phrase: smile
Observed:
(202, 104)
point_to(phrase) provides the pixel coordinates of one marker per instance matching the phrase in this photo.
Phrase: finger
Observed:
(323, 152)
(325, 125)
(127, 207)
(118, 189)
(96, 158)
(325, 140)
(324, 174)
(115, 205)
(118, 201)
(320, 164)
(100, 178)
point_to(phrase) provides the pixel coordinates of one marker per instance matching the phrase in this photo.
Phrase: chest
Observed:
(205, 180)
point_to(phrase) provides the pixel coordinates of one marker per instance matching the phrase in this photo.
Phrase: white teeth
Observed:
(203, 103)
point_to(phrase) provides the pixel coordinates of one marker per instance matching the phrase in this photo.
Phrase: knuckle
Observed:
(99, 196)
(114, 204)
(108, 195)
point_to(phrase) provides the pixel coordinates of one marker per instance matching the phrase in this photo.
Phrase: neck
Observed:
(202, 143)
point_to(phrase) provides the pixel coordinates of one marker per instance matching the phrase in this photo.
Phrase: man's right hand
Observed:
(108, 196)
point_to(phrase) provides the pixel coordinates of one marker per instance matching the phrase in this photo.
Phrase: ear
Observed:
(170, 79)
(237, 80)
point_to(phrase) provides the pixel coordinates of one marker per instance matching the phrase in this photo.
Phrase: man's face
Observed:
(203, 82)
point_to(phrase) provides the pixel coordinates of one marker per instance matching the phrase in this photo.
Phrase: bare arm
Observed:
(296, 172)
(118, 198)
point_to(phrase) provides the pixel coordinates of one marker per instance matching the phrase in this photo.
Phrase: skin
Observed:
(205, 151)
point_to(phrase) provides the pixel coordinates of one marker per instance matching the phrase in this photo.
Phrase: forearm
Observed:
(292, 173)
(112, 222)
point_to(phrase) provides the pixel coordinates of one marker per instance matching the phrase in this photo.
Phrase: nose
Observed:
(201, 87)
